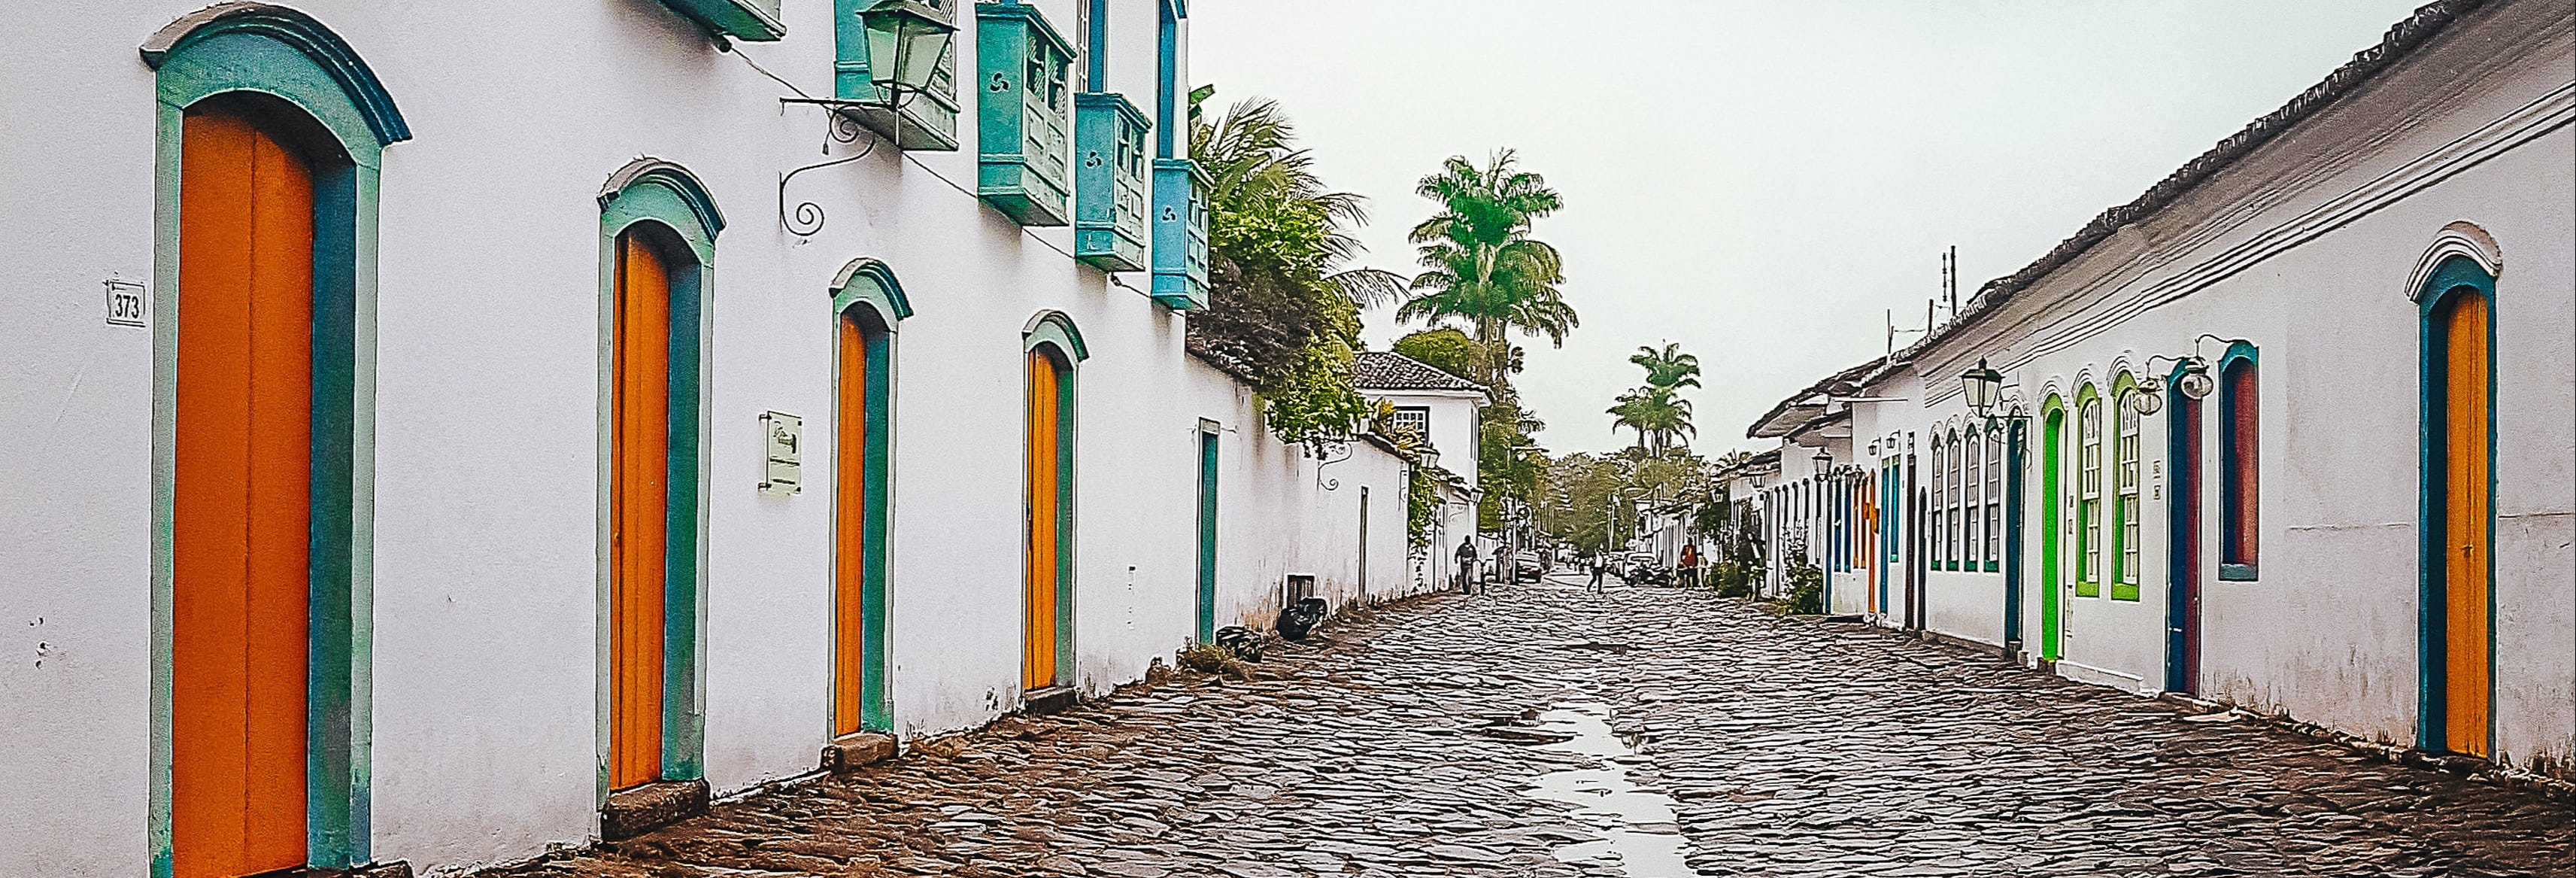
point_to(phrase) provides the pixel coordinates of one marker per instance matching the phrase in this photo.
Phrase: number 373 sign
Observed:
(125, 303)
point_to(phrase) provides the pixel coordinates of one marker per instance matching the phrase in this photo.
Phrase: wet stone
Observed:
(1538, 732)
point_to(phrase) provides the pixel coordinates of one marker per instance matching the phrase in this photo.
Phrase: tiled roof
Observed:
(1388, 370)
(2401, 39)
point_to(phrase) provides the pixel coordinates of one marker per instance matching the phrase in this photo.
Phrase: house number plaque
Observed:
(784, 472)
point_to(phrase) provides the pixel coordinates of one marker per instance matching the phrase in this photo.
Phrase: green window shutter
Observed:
(1109, 182)
(1180, 233)
(1024, 113)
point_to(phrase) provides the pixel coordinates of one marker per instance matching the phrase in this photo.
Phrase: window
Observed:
(1994, 499)
(1975, 486)
(1940, 547)
(2088, 501)
(2124, 585)
(1958, 529)
(2239, 452)
(1412, 421)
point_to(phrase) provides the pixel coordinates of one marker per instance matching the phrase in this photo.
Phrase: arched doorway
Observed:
(867, 305)
(2459, 489)
(2052, 583)
(1050, 494)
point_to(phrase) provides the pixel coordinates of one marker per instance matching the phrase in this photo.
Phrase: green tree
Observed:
(1661, 418)
(1447, 350)
(1481, 265)
(1284, 301)
(1668, 367)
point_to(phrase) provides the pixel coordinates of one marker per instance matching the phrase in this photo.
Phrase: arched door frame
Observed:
(867, 288)
(2458, 268)
(292, 59)
(2052, 535)
(662, 200)
(1054, 335)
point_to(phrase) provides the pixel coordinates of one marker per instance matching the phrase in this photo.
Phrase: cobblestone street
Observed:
(1650, 732)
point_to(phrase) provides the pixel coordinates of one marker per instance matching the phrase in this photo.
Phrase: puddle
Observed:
(1638, 830)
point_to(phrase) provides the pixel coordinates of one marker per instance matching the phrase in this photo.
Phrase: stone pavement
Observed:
(1539, 731)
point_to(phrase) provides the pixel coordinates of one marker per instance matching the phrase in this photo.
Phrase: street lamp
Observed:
(1981, 384)
(1824, 459)
(905, 40)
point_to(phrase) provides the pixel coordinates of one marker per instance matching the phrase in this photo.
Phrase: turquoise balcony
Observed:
(750, 20)
(1180, 234)
(1109, 182)
(1024, 101)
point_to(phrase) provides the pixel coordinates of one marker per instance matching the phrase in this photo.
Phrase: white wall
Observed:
(487, 600)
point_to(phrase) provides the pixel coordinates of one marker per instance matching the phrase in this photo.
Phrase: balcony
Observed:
(1109, 182)
(750, 20)
(1180, 234)
(1024, 98)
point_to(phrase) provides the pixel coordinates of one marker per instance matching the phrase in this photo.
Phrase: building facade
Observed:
(2292, 431)
(426, 426)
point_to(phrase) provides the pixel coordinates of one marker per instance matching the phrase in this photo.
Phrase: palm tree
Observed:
(1481, 265)
(1661, 419)
(1668, 367)
(1247, 154)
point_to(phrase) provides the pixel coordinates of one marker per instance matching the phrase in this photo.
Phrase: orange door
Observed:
(639, 441)
(850, 496)
(1038, 669)
(2468, 502)
(241, 501)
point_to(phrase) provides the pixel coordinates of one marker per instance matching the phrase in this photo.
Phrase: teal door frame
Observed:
(1207, 537)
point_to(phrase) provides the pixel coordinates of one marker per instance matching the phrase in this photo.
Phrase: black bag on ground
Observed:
(1299, 619)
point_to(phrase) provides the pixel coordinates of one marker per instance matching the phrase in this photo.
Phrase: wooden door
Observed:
(1038, 651)
(2182, 608)
(639, 497)
(1207, 539)
(2052, 450)
(849, 531)
(241, 510)
(863, 419)
(2467, 513)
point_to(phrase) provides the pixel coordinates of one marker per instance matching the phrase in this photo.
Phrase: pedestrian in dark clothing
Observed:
(1467, 566)
(1600, 567)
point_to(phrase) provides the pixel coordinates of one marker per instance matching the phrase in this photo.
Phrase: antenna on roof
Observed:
(1950, 278)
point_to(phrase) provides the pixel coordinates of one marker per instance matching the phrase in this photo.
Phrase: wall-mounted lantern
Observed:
(911, 36)
(1824, 459)
(1981, 384)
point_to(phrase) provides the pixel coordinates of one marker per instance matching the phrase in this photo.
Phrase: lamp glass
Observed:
(1980, 384)
(2196, 383)
(905, 40)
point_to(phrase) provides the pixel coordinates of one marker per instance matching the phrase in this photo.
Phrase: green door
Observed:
(2050, 446)
(1207, 537)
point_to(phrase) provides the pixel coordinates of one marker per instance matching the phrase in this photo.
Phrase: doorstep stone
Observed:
(395, 869)
(633, 812)
(849, 752)
(1053, 699)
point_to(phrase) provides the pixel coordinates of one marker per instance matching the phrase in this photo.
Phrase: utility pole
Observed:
(1950, 279)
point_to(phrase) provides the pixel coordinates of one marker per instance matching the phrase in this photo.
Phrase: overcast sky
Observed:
(1760, 181)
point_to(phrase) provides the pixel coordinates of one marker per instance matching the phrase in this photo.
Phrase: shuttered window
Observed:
(2239, 452)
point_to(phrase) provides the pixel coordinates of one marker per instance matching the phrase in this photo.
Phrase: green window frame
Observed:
(2124, 503)
(1939, 546)
(2088, 493)
(1995, 466)
(1025, 115)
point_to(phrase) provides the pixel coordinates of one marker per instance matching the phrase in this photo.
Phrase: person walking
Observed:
(1600, 568)
(1467, 566)
(1690, 565)
(1504, 570)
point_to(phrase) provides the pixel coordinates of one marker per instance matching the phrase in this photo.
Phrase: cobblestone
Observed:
(1412, 742)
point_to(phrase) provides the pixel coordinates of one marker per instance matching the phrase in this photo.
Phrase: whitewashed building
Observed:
(435, 434)
(2292, 431)
(1442, 411)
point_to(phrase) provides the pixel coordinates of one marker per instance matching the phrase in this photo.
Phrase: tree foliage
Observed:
(1284, 303)
(1447, 350)
(1481, 266)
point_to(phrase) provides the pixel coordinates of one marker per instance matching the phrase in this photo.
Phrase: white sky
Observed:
(1759, 181)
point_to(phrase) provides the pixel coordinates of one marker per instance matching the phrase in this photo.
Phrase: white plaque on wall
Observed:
(783, 474)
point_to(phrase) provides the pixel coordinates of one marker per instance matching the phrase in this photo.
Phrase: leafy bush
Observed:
(1733, 580)
(1806, 594)
(1209, 658)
